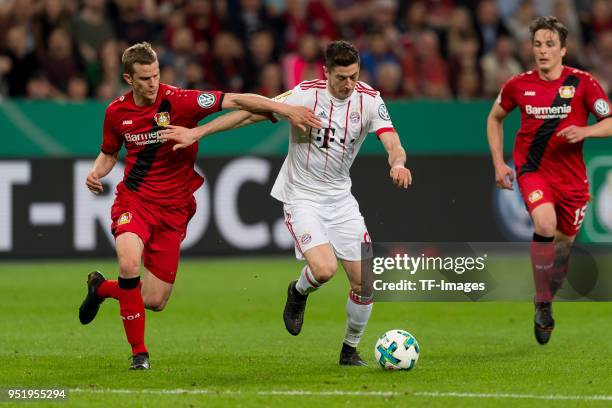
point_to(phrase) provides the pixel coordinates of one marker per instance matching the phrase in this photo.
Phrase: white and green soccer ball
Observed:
(397, 350)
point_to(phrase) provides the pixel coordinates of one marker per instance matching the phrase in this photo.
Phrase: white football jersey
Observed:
(317, 167)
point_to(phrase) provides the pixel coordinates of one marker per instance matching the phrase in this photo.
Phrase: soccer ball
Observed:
(397, 350)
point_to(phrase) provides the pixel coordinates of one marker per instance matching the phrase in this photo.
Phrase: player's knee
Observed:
(129, 268)
(356, 287)
(154, 303)
(324, 271)
(545, 227)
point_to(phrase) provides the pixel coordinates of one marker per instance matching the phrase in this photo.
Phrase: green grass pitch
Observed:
(221, 342)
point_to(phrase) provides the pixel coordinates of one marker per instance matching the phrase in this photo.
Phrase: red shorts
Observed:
(570, 205)
(161, 229)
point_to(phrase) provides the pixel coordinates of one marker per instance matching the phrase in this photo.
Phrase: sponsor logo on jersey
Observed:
(549, 112)
(125, 218)
(142, 139)
(535, 196)
(355, 117)
(602, 107)
(530, 93)
(162, 118)
(206, 100)
(382, 112)
(127, 122)
(567, 92)
(305, 239)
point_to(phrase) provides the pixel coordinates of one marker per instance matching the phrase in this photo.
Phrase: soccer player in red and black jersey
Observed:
(555, 102)
(154, 202)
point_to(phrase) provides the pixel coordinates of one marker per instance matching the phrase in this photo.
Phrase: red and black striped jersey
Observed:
(546, 108)
(152, 170)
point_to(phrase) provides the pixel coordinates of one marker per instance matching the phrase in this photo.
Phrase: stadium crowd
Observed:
(428, 49)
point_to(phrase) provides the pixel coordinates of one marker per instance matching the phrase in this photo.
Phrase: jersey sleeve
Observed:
(380, 121)
(199, 104)
(506, 98)
(596, 100)
(111, 140)
(289, 98)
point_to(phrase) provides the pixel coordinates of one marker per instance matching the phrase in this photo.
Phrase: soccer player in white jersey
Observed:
(314, 184)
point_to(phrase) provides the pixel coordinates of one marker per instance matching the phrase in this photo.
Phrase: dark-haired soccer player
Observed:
(555, 102)
(314, 184)
(154, 202)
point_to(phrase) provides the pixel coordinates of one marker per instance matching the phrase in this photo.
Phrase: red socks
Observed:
(542, 263)
(131, 308)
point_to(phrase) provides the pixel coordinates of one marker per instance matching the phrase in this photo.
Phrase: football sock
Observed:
(132, 311)
(358, 311)
(108, 288)
(307, 282)
(542, 262)
(562, 255)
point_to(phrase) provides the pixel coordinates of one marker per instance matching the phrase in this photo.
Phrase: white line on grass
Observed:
(434, 394)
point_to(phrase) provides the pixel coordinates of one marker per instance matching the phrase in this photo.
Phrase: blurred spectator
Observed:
(302, 17)
(430, 70)
(77, 89)
(460, 27)
(602, 61)
(54, 14)
(414, 23)
(602, 16)
(194, 76)
(525, 54)
(565, 11)
(225, 68)
(465, 59)
(499, 65)
(379, 51)
(107, 91)
(60, 63)
(179, 55)
(17, 63)
(91, 28)
(204, 23)
(304, 65)
(489, 26)
(519, 23)
(251, 16)
(39, 88)
(132, 25)
(389, 80)
(271, 81)
(468, 85)
(261, 52)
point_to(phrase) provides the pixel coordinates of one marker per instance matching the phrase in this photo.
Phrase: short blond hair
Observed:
(141, 53)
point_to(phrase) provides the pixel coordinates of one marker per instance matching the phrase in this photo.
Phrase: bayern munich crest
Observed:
(162, 118)
(355, 117)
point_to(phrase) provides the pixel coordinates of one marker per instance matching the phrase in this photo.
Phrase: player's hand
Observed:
(401, 176)
(504, 176)
(573, 133)
(303, 118)
(182, 136)
(93, 183)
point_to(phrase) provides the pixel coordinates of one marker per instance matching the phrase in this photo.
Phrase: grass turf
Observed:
(222, 339)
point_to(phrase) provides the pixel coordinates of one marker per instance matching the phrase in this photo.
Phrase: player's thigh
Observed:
(161, 253)
(129, 247)
(305, 227)
(322, 262)
(155, 292)
(540, 202)
(348, 233)
(571, 208)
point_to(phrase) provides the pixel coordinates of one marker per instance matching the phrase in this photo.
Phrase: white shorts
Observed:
(340, 224)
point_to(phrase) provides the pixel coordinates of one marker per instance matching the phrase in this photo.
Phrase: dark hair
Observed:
(341, 53)
(549, 23)
(141, 53)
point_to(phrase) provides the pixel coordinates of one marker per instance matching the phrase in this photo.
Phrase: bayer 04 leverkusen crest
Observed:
(162, 118)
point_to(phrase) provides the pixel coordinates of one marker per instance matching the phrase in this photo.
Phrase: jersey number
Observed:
(579, 213)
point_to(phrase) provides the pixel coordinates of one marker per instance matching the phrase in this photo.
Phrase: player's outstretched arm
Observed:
(400, 175)
(575, 134)
(495, 134)
(184, 137)
(103, 164)
(299, 116)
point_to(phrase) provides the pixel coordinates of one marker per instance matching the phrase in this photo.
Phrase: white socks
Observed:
(358, 311)
(307, 282)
